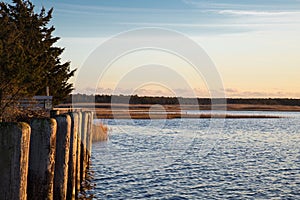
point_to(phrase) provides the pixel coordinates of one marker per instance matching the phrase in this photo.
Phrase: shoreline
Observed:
(184, 116)
(167, 107)
(148, 111)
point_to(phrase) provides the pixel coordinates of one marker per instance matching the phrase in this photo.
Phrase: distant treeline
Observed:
(83, 98)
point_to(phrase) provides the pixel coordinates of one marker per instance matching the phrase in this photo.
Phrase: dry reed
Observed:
(100, 132)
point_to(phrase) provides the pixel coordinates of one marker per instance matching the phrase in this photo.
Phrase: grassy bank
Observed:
(139, 107)
(147, 111)
(144, 115)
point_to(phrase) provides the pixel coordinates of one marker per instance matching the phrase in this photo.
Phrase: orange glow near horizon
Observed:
(261, 64)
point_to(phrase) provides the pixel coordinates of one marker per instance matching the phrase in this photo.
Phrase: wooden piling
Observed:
(83, 159)
(41, 159)
(78, 154)
(89, 138)
(54, 113)
(72, 157)
(62, 156)
(14, 148)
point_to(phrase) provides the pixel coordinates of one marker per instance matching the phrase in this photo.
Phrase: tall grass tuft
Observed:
(100, 132)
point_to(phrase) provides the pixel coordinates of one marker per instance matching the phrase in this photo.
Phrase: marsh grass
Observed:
(170, 115)
(147, 111)
(100, 132)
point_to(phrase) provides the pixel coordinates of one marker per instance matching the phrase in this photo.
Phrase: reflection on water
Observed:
(189, 159)
(88, 186)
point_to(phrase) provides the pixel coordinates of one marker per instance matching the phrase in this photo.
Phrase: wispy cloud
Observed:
(262, 9)
(195, 25)
(87, 9)
(258, 13)
(204, 17)
(232, 92)
(218, 5)
(246, 5)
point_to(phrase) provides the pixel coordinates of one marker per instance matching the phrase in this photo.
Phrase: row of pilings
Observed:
(46, 159)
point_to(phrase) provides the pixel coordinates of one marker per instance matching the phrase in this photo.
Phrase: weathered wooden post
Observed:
(83, 158)
(62, 156)
(72, 157)
(89, 138)
(78, 153)
(54, 113)
(14, 153)
(41, 159)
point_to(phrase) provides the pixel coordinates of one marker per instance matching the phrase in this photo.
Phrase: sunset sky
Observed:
(255, 45)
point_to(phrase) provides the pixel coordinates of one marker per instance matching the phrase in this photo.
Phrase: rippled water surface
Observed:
(199, 159)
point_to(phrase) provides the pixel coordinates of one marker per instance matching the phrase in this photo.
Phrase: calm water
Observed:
(199, 159)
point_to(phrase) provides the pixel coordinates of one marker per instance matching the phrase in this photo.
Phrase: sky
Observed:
(254, 45)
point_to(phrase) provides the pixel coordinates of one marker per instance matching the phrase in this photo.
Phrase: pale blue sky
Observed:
(105, 17)
(254, 44)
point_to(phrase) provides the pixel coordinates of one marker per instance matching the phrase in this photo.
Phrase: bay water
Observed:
(199, 159)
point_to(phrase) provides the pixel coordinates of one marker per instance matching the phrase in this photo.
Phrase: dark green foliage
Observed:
(83, 98)
(29, 61)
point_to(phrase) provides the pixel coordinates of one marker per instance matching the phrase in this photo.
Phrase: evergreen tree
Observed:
(29, 61)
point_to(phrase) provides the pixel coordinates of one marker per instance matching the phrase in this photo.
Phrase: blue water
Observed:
(199, 159)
